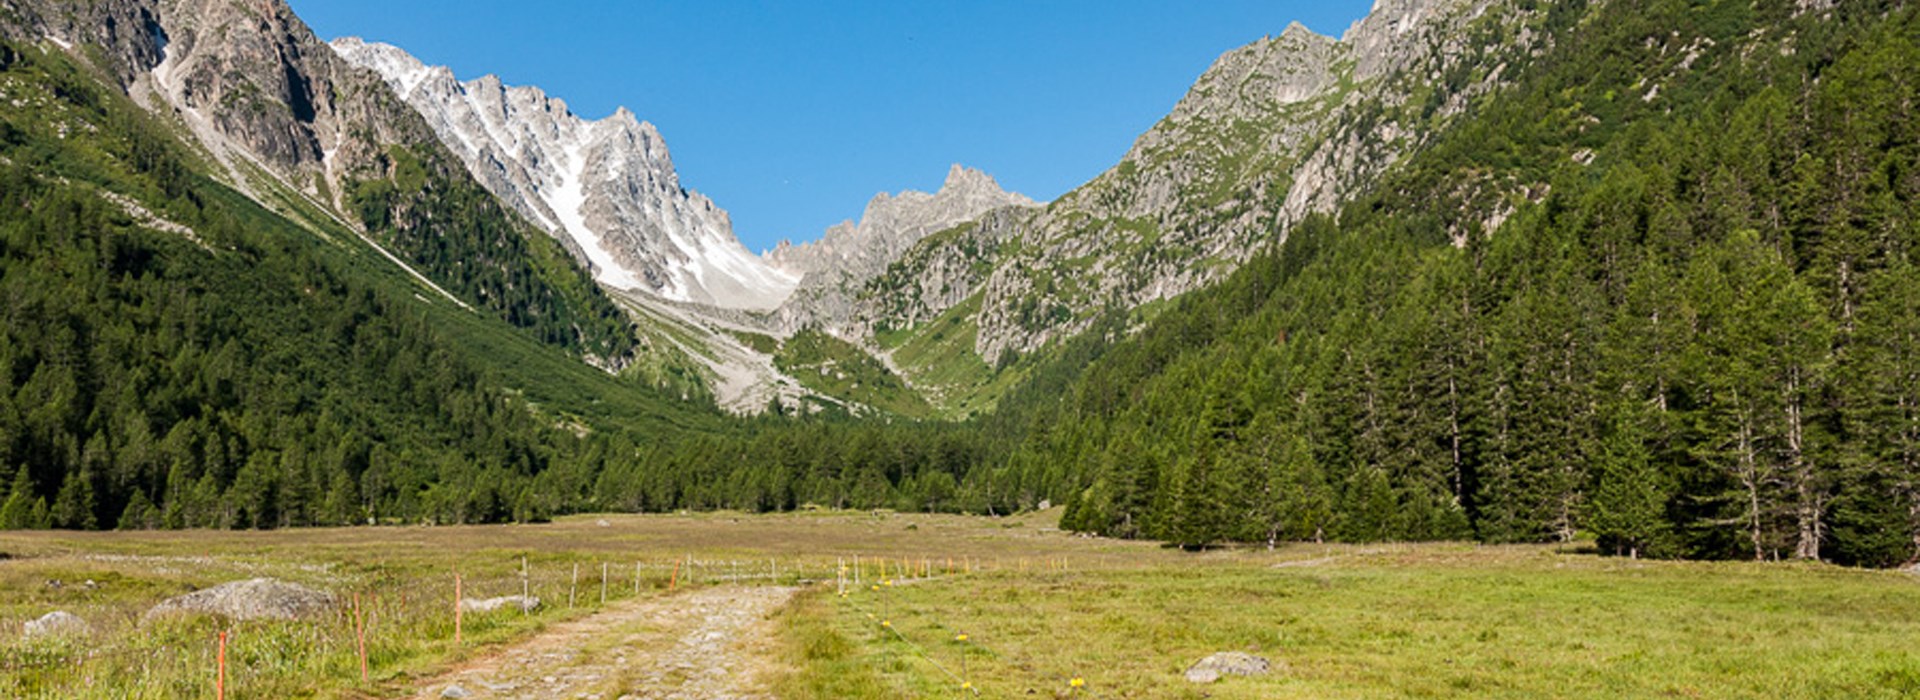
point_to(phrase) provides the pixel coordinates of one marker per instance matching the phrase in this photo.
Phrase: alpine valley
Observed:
(1635, 273)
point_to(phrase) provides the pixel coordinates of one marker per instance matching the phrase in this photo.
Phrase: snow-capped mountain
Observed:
(606, 188)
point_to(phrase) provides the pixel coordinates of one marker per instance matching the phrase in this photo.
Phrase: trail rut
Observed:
(709, 644)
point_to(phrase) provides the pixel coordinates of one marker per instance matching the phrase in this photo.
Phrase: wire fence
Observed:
(875, 599)
(377, 621)
(381, 619)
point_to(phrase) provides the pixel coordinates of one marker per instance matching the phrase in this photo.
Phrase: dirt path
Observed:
(709, 644)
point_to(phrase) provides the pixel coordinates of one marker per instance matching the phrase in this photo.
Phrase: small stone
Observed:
(455, 692)
(1227, 663)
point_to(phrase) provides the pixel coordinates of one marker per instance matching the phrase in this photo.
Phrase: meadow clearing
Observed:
(946, 606)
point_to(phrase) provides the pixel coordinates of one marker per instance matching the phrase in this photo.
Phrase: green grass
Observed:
(938, 357)
(406, 597)
(1040, 608)
(404, 578)
(1404, 622)
(842, 370)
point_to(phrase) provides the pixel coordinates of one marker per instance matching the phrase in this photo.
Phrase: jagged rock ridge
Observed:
(850, 254)
(1273, 131)
(254, 85)
(607, 188)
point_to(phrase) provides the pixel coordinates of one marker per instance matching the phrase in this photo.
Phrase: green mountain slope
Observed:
(1283, 127)
(1660, 292)
(177, 355)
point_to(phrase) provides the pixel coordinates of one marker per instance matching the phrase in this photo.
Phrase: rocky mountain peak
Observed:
(850, 253)
(893, 222)
(1271, 132)
(1293, 67)
(247, 77)
(960, 177)
(607, 189)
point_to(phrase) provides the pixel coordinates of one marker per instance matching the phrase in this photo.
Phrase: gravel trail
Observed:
(708, 644)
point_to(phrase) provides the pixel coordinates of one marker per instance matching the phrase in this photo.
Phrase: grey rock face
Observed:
(607, 189)
(1274, 131)
(247, 77)
(836, 267)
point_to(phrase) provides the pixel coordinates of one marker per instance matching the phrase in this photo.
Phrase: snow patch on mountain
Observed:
(607, 189)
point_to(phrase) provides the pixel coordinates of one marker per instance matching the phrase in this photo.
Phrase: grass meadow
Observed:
(1039, 609)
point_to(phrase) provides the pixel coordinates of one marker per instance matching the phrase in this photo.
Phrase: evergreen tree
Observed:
(140, 514)
(22, 509)
(1627, 513)
(73, 507)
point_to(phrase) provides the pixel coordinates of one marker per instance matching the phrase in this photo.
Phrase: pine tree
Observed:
(73, 507)
(1296, 502)
(1627, 512)
(1760, 362)
(17, 513)
(1879, 503)
(140, 513)
(1367, 507)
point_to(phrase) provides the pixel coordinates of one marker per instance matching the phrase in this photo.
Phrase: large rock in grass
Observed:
(252, 599)
(1227, 663)
(58, 623)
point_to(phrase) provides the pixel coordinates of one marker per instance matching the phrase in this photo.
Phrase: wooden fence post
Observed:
(574, 586)
(459, 610)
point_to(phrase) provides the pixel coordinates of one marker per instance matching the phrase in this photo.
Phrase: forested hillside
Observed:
(1693, 335)
(1660, 292)
(174, 355)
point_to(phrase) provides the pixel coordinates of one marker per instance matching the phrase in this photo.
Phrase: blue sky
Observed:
(791, 115)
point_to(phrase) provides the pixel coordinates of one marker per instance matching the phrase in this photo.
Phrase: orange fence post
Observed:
(674, 582)
(458, 611)
(220, 677)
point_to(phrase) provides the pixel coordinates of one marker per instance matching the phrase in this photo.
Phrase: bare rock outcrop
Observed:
(837, 267)
(1275, 131)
